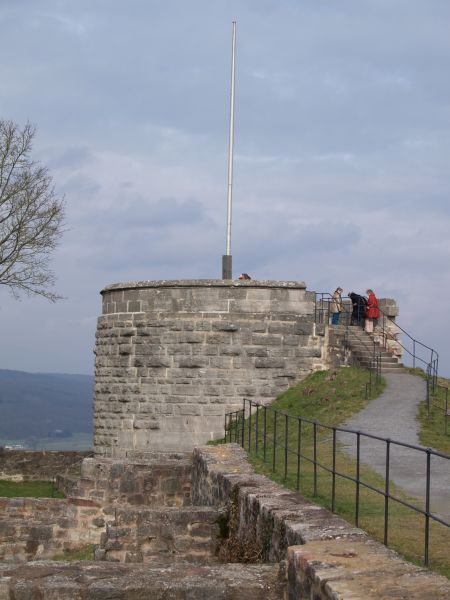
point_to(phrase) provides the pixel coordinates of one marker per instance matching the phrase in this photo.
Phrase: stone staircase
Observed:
(163, 542)
(361, 345)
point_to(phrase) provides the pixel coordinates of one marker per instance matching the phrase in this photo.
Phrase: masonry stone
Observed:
(172, 357)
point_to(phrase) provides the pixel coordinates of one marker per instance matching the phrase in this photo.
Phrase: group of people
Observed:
(365, 311)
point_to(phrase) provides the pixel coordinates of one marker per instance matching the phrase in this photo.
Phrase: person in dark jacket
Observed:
(359, 304)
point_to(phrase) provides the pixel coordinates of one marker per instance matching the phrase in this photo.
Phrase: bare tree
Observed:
(31, 215)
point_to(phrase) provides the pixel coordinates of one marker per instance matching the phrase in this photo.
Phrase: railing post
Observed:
(427, 508)
(436, 370)
(299, 447)
(249, 425)
(358, 473)
(225, 427)
(257, 429)
(274, 439)
(333, 484)
(243, 426)
(286, 427)
(386, 492)
(265, 432)
(315, 458)
(446, 410)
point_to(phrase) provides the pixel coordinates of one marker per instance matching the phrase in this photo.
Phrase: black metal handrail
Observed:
(248, 429)
(430, 365)
(322, 315)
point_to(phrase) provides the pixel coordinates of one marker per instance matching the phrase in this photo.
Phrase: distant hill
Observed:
(40, 405)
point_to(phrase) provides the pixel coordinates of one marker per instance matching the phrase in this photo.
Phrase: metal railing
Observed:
(277, 438)
(420, 354)
(322, 315)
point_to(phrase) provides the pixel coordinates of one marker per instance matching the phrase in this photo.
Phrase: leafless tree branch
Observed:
(31, 215)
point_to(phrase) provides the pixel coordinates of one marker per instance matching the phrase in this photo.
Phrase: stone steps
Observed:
(361, 345)
(98, 581)
(162, 536)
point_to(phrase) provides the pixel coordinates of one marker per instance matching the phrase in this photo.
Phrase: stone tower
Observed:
(173, 356)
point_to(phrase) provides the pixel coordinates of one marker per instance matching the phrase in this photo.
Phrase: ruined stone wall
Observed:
(25, 465)
(324, 557)
(173, 356)
(36, 528)
(162, 536)
(162, 481)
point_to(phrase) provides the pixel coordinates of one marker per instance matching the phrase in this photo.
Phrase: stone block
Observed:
(189, 409)
(227, 326)
(194, 362)
(269, 363)
(265, 340)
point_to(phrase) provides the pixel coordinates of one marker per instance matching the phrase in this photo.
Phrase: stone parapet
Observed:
(101, 580)
(326, 558)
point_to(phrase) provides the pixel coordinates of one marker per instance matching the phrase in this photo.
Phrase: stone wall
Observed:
(37, 528)
(173, 356)
(165, 480)
(325, 557)
(162, 536)
(24, 465)
(311, 553)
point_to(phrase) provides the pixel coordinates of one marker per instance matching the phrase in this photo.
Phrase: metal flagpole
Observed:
(226, 258)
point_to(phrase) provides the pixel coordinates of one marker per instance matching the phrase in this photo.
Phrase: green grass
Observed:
(432, 432)
(331, 398)
(84, 553)
(28, 489)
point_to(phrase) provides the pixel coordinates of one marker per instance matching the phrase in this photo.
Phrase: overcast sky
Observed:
(342, 150)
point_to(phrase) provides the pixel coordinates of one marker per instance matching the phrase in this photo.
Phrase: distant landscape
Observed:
(46, 411)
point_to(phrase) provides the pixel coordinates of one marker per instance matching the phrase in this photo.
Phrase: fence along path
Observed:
(393, 415)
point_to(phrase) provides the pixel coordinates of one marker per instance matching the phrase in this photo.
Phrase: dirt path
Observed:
(393, 415)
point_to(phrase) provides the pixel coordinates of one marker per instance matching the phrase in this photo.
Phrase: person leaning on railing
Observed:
(359, 304)
(372, 312)
(336, 306)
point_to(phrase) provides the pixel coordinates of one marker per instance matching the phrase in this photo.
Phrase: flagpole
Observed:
(226, 258)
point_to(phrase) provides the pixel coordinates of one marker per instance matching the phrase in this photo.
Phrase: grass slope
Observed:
(432, 433)
(331, 398)
(28, 489)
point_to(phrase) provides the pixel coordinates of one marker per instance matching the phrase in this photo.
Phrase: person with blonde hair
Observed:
(336, 306)
(372, 312)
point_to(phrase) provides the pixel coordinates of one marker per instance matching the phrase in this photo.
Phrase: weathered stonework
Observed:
(233, 515)
(173, 356)
(27, 465)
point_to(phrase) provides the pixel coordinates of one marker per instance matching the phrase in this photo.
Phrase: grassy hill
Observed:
(44, 405)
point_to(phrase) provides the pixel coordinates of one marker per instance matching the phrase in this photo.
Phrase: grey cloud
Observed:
(342, 144)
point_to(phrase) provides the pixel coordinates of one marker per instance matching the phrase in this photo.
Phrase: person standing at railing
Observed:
(359, 304)
(336, 306)
(373, 312)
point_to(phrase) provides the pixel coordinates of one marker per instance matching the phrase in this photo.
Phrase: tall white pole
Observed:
(226, 260)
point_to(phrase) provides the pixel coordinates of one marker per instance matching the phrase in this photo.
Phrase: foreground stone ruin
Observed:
(194, 526)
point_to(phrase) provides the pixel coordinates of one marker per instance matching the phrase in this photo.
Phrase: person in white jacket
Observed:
(336, 306)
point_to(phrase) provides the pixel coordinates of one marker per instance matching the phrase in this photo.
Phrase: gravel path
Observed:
(393, 415)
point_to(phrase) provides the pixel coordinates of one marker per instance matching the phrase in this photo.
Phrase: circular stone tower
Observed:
(173, 356)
